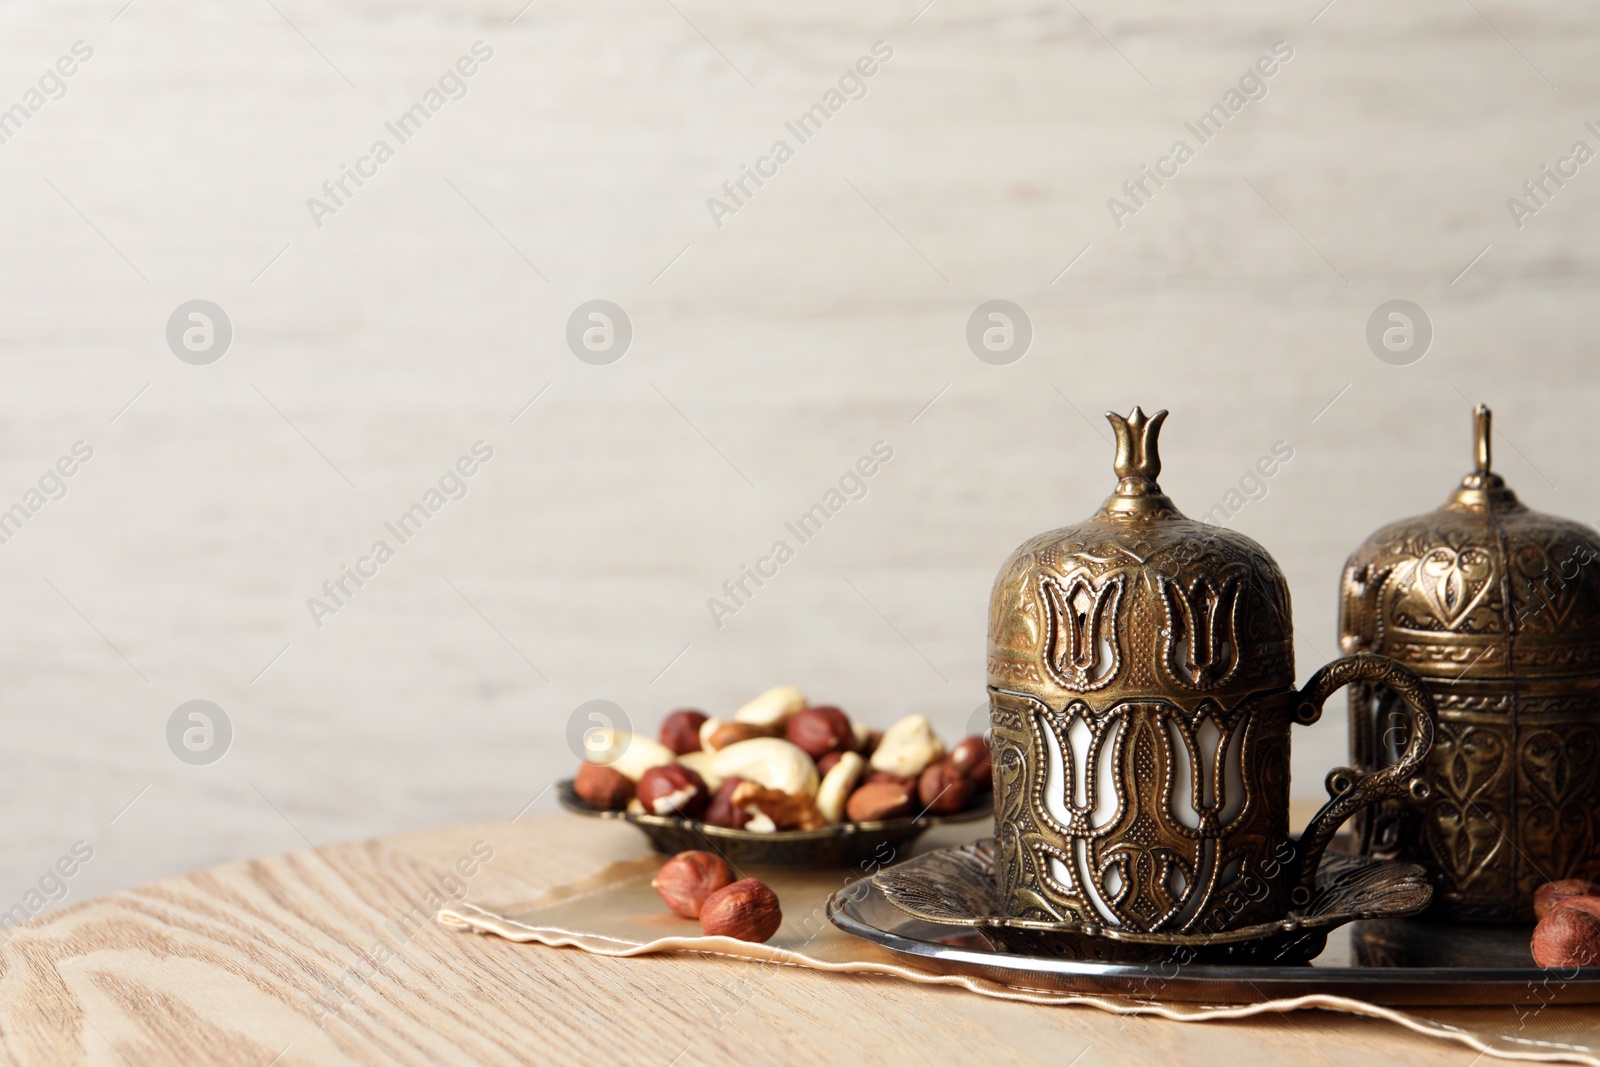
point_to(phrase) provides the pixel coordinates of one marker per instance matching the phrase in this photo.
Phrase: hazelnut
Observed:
(680, 731)
(944, 790)
(820, 730)
(870, 745)
(716, 734)
(1550, 894)
(1588, 904)
(747, 910)
(826, 763)
(606, 789)
(688, 878)
(673, 790)
(879, 800)
(721, 811)
(971, 757)
(1568, 936)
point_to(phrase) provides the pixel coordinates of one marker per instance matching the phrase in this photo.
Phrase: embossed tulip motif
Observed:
(1082, 652)
(1141, 687)
(1138, 852)
(1202, 619)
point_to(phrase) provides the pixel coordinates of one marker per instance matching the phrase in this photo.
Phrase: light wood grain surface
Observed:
(768, 355)
(273, 961)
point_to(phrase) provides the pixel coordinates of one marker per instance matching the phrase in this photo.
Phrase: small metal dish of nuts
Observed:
(783, 783)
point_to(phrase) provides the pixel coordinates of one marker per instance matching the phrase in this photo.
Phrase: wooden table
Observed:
(266, 961)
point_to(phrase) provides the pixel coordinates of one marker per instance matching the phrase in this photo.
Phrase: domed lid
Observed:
(1483, 587)
(1140, 602)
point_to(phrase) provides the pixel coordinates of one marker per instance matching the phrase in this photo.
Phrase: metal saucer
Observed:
(1380, 961)
(845, 845)
(956, 887)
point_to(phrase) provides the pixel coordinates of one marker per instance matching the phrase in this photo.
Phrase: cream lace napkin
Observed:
(615, 913)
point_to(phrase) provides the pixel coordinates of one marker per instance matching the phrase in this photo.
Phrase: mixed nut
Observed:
(701, 885)
(782, 763)
(1568, 934)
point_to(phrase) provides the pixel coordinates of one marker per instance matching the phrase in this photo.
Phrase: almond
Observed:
(879, 800)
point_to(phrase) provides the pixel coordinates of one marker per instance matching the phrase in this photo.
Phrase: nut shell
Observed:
(680, 731)
(605, 788)
(1567, 936)
(687, 879)
(818, 731)
(673, 790)
(747, 910)
(1547, 896)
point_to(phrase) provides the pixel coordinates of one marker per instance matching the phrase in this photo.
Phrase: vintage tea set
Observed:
(1142, 698)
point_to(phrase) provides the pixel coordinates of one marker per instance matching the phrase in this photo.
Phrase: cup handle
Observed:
(1349, 789)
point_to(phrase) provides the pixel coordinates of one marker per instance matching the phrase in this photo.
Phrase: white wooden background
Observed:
(768, 355)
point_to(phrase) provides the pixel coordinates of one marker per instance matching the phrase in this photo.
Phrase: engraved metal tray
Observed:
(846, 845)
(1380, 961)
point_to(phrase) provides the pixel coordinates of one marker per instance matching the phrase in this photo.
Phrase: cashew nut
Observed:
(908, 747)
(708, 728)
(772, 708)
(862, 732)
(837, 784)
(703, 764)
(769, 761)
(628, 754)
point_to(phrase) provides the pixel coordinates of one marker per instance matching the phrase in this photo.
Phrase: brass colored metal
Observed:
(1379, 960)
(1498, 609)
(1141, 685)
(957, 887)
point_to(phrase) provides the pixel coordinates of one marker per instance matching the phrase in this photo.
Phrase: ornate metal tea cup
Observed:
(1497, 608)
(1141, 686)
